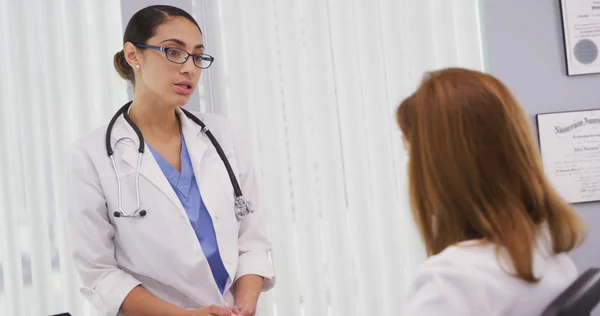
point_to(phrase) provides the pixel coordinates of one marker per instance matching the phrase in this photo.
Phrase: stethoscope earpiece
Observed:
(119, 214)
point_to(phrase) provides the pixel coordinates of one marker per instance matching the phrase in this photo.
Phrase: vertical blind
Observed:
(56, 84)
(312, 84)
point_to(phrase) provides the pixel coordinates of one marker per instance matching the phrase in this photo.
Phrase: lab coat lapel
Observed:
(149, 169)
(198, 145)
(211, 178)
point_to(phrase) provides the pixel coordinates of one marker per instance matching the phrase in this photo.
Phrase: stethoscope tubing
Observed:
(241, 206)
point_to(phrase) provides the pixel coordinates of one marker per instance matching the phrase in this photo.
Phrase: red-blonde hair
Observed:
(475, 172)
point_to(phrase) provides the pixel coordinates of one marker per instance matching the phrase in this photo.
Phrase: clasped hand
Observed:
(214, 310)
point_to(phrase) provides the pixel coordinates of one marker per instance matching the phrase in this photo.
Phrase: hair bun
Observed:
(122, 67)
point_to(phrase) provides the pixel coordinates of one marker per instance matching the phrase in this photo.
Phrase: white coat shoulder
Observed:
(93, 141)
(468, 279)
(228, 136)
(215, 122)
(86, 156)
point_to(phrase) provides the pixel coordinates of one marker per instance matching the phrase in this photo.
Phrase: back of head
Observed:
(141, 27)
(475, 172)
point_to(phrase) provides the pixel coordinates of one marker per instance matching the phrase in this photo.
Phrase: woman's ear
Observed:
(132, 55)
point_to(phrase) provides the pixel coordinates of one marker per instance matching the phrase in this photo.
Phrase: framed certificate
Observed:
(570, 149)
(581, 32)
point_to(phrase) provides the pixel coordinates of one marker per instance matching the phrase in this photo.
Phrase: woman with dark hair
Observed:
(164, 211)
(496, 232)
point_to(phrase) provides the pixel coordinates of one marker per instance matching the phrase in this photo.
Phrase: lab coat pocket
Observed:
(225, 194)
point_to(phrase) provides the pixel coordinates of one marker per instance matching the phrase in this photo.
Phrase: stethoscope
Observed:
(241, 206)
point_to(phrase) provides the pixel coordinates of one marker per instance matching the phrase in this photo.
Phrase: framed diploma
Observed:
(570, 149)
(581, 32)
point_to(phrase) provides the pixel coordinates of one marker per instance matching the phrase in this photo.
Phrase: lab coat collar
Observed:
(187, 124)
(122, 130)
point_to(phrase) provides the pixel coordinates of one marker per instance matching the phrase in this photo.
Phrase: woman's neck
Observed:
(153, 118)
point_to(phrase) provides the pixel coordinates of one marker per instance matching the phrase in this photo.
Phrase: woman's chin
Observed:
(181, 100)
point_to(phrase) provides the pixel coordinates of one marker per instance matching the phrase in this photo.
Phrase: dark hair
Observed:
(141, 27)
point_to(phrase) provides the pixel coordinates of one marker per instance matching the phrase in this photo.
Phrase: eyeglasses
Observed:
(180, 56)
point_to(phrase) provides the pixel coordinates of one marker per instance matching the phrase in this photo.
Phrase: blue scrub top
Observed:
(186, 188)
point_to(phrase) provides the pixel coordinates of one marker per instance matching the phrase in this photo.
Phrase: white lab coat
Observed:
(467, 279)
(160, 250)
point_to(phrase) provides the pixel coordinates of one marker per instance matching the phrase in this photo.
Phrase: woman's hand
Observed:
(244, 309)
(212, 310)
(247, 291)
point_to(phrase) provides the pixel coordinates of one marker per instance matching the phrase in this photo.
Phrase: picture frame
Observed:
(580, 21)
(570, 150)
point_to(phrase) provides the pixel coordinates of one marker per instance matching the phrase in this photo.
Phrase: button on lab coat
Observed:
(160, 250)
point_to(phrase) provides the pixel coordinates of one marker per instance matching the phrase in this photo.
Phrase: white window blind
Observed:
(313, 83)
(56, 84)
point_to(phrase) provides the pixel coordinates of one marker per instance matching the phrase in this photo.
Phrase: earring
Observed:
(137, 66)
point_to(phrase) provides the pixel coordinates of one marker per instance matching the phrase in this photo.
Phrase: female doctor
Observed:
(164, 209)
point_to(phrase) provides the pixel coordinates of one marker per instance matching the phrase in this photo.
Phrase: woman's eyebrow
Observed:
(182, 43)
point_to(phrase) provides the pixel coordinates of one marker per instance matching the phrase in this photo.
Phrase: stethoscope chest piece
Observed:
(242, 207)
